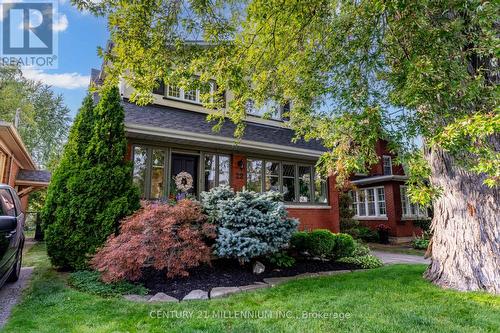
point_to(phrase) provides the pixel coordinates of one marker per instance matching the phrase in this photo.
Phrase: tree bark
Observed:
(466, 228)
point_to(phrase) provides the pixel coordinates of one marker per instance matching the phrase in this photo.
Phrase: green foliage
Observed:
(249, 224)
(419, 69)
(281, 259)
(360, 250)
(424, 224)
(90, 282)
(344, 246)
(348, 225)
(43, 117)
(368, 235)
(91, 190)
(365, 262)
(420, 243)
(299, 241)
(321, 243)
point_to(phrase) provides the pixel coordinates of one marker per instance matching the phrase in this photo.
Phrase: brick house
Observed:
(170, 142)
(17, 169)
(380, 197)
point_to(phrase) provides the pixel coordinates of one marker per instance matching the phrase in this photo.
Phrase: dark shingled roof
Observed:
(41, 176)
(94, 76)
(190, 121)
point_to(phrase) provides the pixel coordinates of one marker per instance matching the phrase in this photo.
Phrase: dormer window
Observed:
(270, 108)
(173, 91)
(387, 165)
(180, 94)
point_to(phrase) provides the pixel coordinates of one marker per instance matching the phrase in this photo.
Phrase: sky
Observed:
(79, 35)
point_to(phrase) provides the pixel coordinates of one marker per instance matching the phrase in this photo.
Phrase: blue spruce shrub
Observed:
(249, 224)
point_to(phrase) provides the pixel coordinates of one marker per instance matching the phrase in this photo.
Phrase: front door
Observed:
(184, 175)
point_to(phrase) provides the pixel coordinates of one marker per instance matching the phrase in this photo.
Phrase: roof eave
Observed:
(219, 140)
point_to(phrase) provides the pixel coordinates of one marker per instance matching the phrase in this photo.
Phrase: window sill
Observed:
(308, 206)
(368, 218)
(182, 100)
(414, 218)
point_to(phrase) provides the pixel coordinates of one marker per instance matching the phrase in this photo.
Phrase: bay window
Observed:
(305, 183)
(298, 183)
(289, 182)
(254, 175)
(369, 202)
(140, 168)
(216, 170)
(410, 209)
(157, 174)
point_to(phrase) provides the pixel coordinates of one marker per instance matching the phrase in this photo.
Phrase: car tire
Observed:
(16, 272)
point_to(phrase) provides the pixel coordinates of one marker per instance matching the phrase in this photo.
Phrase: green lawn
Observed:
(389, 299)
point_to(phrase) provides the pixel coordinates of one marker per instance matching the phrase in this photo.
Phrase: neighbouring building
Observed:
(173, 146)
(380, 197)
(17, 169)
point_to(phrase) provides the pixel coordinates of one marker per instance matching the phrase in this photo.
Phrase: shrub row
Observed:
(323, 243)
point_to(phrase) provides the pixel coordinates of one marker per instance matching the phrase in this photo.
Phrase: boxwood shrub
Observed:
(321, 243)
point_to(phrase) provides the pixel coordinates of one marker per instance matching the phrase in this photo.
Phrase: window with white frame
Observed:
(387, 165)
(298, 183)
(191, 96)
(369, 202)
(269, 108)
(410, 209)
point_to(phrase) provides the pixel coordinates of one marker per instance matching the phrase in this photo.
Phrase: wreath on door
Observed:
(184, 181)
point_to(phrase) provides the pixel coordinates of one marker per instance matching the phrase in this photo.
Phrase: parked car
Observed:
(11, 234)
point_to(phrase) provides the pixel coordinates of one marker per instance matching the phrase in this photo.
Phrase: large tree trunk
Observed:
(466, 243)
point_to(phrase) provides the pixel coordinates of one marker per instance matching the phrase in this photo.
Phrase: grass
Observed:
(403, 249)
(388, 299)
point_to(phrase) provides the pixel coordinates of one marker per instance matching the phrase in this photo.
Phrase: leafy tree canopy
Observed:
(354, 71)
(43, 116)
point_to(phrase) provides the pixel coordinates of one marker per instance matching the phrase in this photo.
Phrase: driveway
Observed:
(389, 258)
(11, 292)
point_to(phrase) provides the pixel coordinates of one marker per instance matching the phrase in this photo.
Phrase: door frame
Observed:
(198, 155)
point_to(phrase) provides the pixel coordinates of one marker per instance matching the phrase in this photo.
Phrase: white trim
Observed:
(383, 164)
(375, 201)
(376, 179)
(205, 138)
(307, 207)
(368, 218)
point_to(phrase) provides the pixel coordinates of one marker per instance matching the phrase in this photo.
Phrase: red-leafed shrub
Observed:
(158, 235)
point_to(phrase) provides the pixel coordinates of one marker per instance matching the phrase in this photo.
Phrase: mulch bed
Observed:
(228, 273)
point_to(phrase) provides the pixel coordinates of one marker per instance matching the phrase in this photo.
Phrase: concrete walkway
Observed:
(11, 293)
(389, 258)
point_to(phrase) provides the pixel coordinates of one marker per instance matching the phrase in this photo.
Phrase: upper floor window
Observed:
(410, 209)
(298, 183)
(369, 202)
(177, 93)
(270, 108)
(387, 165)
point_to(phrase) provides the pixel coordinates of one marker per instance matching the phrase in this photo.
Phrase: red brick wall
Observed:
(378, 169)
(238, 176)
(399, 227)
(310, 218)
(320, 218)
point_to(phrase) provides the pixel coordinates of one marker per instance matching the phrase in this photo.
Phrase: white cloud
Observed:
(60, 22)
(63, 80)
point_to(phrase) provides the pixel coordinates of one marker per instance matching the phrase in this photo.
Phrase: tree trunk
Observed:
(466, 228)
